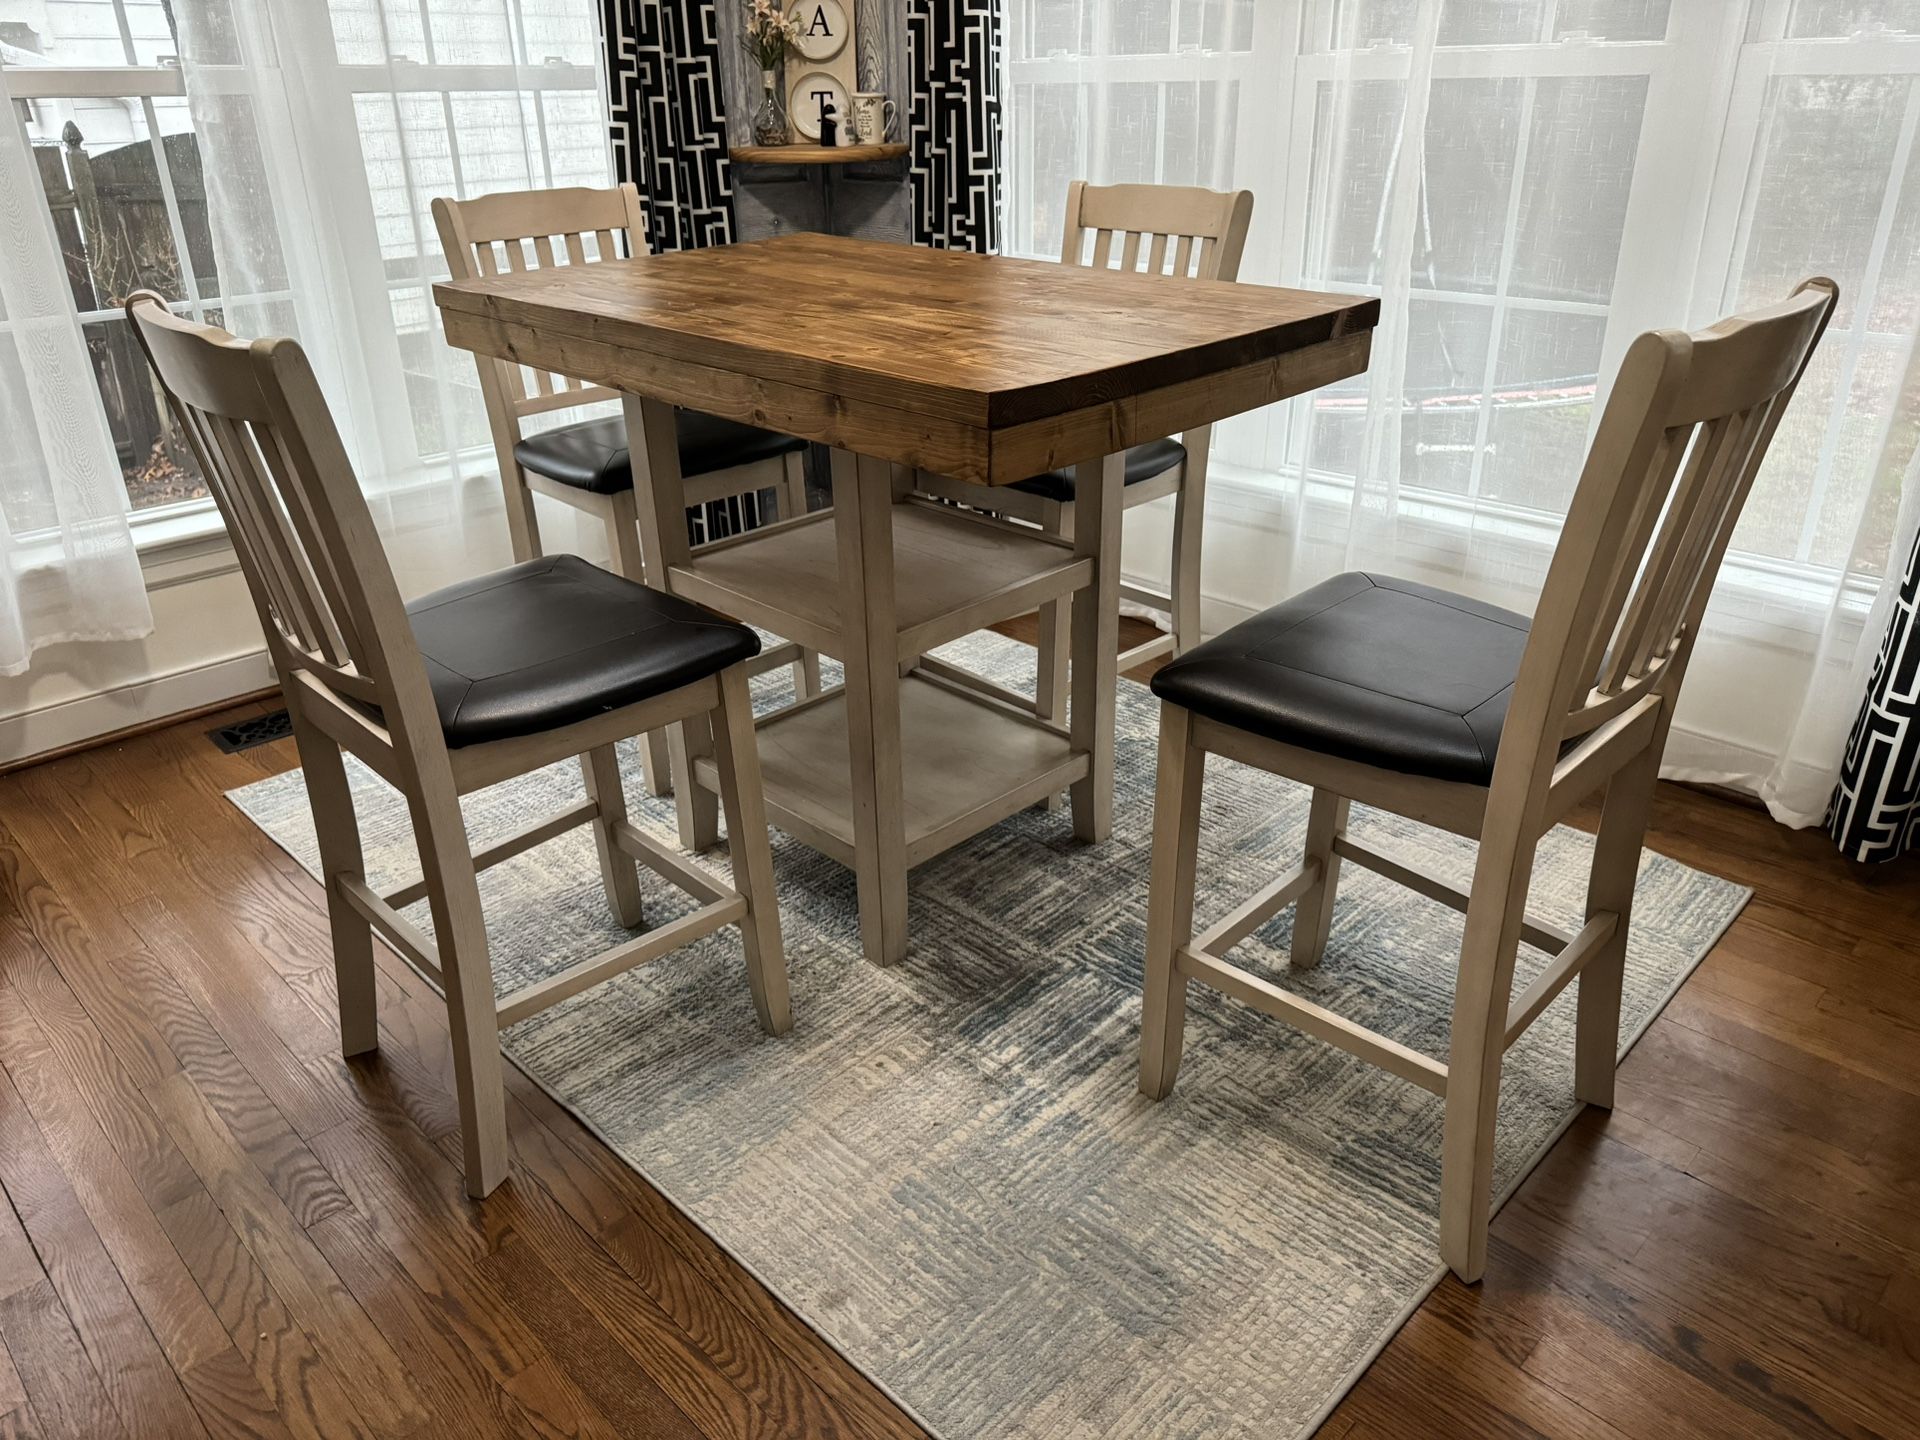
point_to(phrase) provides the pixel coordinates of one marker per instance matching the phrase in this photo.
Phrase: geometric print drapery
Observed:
(953, 122)
(668, 118)
(1875, 813)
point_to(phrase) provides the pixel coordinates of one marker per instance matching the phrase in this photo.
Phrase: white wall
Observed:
(206, 644)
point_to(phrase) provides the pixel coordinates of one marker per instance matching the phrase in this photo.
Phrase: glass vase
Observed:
(770, 120)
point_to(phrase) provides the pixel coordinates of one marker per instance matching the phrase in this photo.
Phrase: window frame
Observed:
(322, 91)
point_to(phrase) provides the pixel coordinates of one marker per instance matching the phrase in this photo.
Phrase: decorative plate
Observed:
(824, 29)
(803, 102)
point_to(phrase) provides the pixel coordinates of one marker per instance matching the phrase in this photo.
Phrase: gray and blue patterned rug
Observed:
(945, 1167)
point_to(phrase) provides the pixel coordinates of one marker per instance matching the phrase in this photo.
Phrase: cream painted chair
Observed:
(1477, 720)
(1180, 232)
(585, 464)
(463, 688)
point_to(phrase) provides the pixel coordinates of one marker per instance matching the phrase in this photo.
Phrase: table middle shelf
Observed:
(954, 572)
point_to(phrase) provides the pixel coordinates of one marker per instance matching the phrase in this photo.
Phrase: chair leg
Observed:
(1055, 642)
(793, 487)
(622, 517)
(793, 504)
(1482, 995)
(1176, 844)
(1056, 632)
(1616, 866)
(618, 872)
(1189, 526)
(523, 522)
(1313, 915)
(737, 757)
(656, 763)
(323, 766)
(696, 808)
(806, 675)
(466, 971)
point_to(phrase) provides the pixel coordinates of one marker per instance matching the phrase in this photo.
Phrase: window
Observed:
(106, 116)
(1577, 154)
(1826, 106)
(397, 102)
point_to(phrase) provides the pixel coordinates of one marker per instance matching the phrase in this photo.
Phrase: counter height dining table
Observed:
(906, 360)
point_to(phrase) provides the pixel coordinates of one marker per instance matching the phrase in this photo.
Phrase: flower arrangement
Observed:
(768, 33)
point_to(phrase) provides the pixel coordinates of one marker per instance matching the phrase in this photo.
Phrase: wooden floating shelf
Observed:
(815, 154)
(954, 573)
(967, 764)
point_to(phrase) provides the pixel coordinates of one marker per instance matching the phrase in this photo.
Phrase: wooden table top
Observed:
(959, 353)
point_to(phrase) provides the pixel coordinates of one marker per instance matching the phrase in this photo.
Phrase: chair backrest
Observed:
(530, 230)
(267, 446)
(1684, 432)
(1181, 230)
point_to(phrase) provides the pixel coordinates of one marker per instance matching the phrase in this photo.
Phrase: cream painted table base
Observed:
(898, 763)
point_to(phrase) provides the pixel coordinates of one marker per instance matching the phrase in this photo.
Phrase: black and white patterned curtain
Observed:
(669, 118)
(1875, 813)
(953, 122)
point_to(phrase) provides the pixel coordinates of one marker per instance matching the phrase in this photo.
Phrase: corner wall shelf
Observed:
(815, 154)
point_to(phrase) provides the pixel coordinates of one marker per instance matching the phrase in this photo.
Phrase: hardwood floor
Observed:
(216, 1226)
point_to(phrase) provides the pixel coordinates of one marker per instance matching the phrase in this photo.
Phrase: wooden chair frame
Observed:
(354, 682)
(1183, 232)
(1682, 436)
(556, 225)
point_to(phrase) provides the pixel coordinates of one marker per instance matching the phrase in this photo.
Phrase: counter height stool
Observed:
(1478, 720)
(585, 464)
(465, 687)
(1180, 233)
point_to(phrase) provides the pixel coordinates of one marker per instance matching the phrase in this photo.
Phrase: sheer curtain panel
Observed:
(1527, 184)
(325, 132)
(68, 568)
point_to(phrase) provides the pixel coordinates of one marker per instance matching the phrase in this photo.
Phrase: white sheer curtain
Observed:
(68, 569)
(1527, 184)
(325, 132)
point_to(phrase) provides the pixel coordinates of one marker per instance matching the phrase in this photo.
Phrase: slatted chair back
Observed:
(522, 230)
(1682, 437)
(1181, 230)
(266, 444)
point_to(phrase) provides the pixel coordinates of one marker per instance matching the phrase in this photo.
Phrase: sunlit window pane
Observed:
(1581, 153)
(1473, 135)
(1841, 18)
(1541, 405)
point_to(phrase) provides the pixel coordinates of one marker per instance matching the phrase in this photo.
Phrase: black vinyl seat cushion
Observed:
(592, 455)
(1365, 667)
(557, 640)
(1144, 462)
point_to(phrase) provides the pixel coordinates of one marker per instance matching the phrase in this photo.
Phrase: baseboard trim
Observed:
(67, 727)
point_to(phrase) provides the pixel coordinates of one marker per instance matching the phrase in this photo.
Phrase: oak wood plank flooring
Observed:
(214, 1225)
(83, 1286)
(175, 1309)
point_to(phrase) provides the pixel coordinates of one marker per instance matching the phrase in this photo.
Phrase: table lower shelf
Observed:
(967, 763)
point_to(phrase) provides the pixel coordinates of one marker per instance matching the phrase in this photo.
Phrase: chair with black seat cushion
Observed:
(465, 687)
(1466, 716)
(585, 464)
(1171, 231)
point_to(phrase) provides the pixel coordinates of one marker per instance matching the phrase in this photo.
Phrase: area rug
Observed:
(946, 1168)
